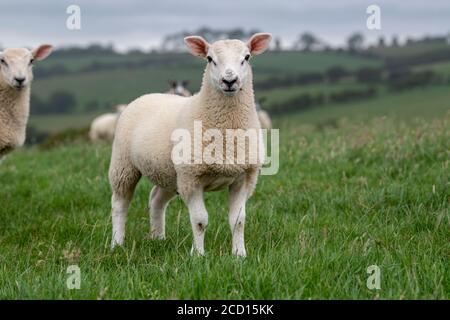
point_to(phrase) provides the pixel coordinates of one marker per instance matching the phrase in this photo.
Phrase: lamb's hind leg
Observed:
(123, 182)
(159, 199)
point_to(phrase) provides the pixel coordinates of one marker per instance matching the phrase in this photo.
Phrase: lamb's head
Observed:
(16, 65)
(228, 60)
(178, 87)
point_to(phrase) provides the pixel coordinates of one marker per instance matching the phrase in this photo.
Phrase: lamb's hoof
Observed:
(155, 236)
(197, 252)
(240, 253)
(115, 244)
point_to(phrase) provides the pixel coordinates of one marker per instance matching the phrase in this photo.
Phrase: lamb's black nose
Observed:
(19, 80)
(229, 83)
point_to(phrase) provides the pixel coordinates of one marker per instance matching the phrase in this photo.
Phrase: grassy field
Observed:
(406, 105)
(426, 103)
(354, 189)
(122, 85)
(270, 61)
(442, 68)
(54, 123)
(408, 51)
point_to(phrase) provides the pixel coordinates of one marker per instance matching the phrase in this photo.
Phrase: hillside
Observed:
(404, 105)
(76, 87)
(124, 78)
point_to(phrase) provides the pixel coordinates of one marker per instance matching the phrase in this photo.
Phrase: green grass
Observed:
(365, 191)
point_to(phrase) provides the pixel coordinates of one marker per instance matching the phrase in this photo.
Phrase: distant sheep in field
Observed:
(103, 127)
(179, 88)
(263, 116)
(16, 75)
(143, 143)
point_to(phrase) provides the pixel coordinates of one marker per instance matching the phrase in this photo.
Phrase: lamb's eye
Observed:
(31, 61)
(2, 61)
(245, 59)
(210, 60)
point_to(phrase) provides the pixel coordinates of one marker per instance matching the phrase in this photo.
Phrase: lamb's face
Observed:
(16, 65)
(179, 87)
(228, 65)
(228, 60)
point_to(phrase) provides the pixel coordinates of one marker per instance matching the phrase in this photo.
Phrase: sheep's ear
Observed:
(259, 43)
(197, 46)
(42, 52)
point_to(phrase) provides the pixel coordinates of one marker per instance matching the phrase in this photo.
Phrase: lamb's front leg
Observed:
(199, 219)
(236, 218)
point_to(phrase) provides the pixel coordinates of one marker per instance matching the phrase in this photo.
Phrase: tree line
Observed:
(394, 79)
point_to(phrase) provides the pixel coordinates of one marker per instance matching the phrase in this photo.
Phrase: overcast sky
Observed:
(142, 23)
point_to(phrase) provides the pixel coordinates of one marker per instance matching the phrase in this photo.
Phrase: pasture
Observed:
(121, 83)
(407, 105)
(359, 185)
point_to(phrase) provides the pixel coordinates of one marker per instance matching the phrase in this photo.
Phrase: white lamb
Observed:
(143, 146)
(264, 118)
(16, 75)
(103, 127)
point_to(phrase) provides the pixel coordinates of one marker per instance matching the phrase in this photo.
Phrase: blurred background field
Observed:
(79, 83)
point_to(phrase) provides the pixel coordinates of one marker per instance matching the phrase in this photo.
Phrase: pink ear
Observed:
(197, 46)
(42, 52)
(258, 43)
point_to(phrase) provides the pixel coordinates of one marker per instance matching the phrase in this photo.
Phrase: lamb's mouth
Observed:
(229, 90)
(18, 86)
